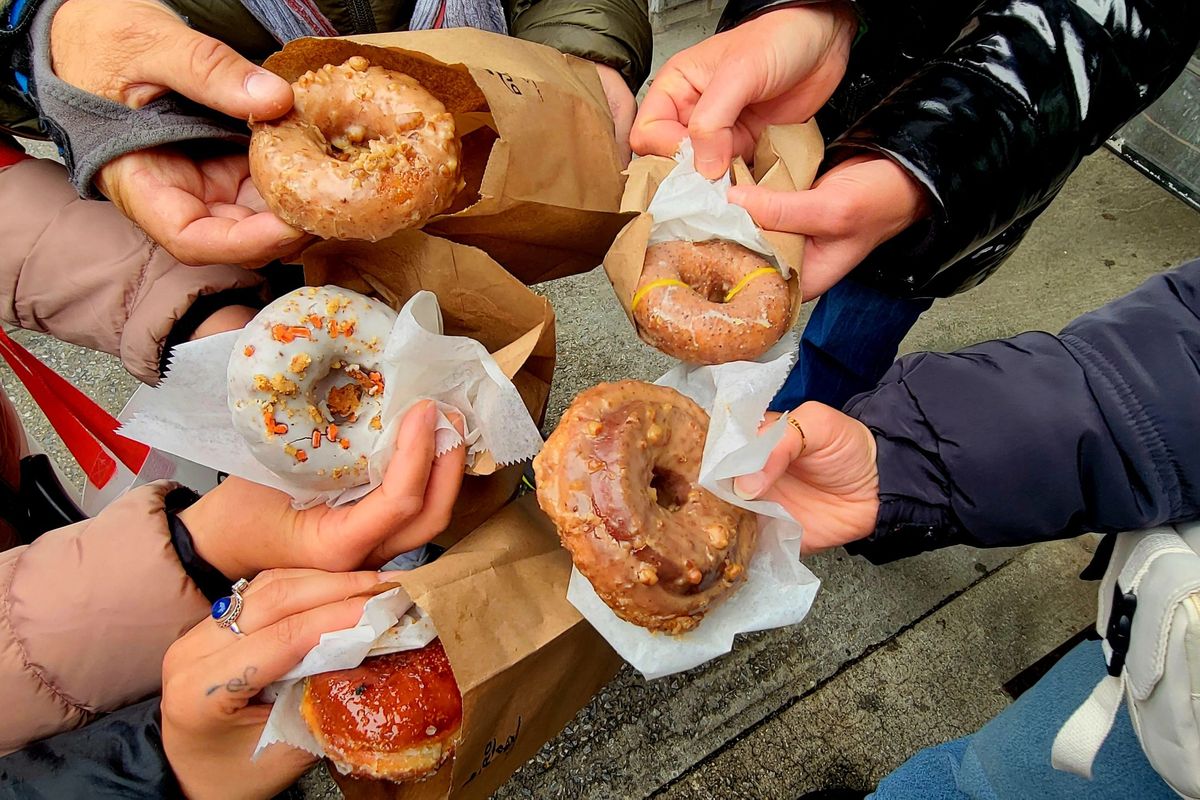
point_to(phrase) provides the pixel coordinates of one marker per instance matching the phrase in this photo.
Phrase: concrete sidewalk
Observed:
(891, 658)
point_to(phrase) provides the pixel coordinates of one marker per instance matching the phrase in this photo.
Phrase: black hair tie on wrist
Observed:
(208, 579)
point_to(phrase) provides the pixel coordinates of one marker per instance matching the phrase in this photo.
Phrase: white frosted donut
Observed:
(304, 385)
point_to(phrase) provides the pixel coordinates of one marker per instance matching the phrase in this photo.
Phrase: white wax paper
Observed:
(689, 207)
(390, 623)
(188, 414)
(779, 590)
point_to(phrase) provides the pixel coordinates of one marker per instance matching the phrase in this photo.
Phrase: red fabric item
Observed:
(11, 155)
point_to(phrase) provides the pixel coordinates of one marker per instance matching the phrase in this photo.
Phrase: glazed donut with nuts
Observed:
(365, 152)
(619, 479)
(710, 302)
(304, 385)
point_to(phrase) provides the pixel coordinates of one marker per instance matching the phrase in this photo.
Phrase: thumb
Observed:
(711, 125)
(793, 445)
(794, 212)
(213, 74)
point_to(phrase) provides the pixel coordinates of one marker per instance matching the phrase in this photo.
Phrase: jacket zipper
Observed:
(362, 16)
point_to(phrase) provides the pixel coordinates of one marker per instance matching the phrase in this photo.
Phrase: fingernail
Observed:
(749, 487)
(263, 85)
(429, 413)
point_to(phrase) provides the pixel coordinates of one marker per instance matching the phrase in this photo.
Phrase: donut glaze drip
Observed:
(694, 322)
(618, 477)
(396, 716)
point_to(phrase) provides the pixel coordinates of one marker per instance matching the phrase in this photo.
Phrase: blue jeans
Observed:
(849, 342)
(1009, 757)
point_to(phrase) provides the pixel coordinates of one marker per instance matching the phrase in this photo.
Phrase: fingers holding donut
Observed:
(210, 720)
(416, 499)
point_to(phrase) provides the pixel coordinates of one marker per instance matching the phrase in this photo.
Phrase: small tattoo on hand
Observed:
(235, 685)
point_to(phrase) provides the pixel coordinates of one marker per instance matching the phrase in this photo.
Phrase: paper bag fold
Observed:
(524, 659)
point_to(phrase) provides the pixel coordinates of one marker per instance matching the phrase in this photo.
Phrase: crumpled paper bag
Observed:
(779, 590)
(187, 414)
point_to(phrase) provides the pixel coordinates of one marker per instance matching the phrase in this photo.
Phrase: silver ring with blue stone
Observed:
(227, 610)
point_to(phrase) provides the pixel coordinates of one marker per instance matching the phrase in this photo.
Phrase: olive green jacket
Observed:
(612, 32)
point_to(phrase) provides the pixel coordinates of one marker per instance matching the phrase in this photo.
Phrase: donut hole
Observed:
(341, 396)
(670, 489)
(713, 288)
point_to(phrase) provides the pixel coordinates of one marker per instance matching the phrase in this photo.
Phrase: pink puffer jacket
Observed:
(82, 272)
(70, 646)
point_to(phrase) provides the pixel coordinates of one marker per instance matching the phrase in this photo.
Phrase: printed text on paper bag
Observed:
(495, 748)
(513, 86)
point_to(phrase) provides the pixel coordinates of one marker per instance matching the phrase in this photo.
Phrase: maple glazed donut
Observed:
(710, 302)
(395, 717)
(618, 477)
(305, 390)
(364, 153)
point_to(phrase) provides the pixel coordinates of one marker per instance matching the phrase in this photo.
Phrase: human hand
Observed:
(850, 210)
(622, 105)
(826, 477)
(242, 528)
(210, 720)
(203, 210)
(225, 318)
(780, 67)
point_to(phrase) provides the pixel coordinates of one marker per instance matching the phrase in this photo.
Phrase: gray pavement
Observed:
(891, 658)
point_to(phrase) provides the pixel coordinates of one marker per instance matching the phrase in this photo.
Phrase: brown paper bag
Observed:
(524, 659)
(479, 299)
(786, 159)
(539, 156)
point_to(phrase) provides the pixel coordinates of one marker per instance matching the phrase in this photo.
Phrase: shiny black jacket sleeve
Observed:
(117, 756)
(993, 122)
(1042, 437)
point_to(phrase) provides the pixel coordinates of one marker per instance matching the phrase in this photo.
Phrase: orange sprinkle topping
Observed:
(332, 432)
(280, 428)
(316, 439)
(348, 329)
(333, 327)
(269, 421)
(249, 351)
(316, 321)
(287, 334)
(345, 443)
(301, 456)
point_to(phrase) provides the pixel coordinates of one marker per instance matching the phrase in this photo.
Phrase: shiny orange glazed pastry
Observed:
(710, 302)
(394, 717)
(364, 152)
(618, 477)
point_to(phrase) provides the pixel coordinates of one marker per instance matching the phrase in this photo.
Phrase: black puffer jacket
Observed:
(1042, 437)
(990, 105)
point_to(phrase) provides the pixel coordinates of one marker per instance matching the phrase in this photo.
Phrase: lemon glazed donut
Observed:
(305, 390)
(364, 153)
(710, 302)
(618, 477)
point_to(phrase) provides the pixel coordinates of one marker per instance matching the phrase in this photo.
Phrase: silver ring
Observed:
(227, 610)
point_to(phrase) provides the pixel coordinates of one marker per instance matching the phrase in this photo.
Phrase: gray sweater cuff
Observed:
(91, 130)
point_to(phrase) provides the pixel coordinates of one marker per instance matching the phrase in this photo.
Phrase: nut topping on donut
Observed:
(365, 152)
(618, 477)
(305, 373)
(710, 302)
